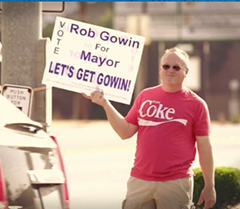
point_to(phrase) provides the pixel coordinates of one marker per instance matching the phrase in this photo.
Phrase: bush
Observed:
(227, 184)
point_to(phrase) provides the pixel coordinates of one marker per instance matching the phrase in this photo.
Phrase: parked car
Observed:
(32, 174)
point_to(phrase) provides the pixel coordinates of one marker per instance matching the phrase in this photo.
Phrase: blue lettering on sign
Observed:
(85, 75)
(61, 69)
(90, 76)
(105, 36)
(87, 56)
(83, 32)
(113, 81)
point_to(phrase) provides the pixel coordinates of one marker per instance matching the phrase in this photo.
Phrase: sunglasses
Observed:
(175, 67)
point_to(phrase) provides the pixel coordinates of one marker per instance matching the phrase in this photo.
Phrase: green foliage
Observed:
(235, 118)
(105, 20)
(227, 184)
(47, 32)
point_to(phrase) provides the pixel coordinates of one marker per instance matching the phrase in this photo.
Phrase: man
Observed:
(170, 121)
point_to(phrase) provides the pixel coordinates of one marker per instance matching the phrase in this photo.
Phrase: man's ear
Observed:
(186, 72)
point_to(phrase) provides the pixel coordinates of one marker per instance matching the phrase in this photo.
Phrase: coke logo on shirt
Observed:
(155, 109)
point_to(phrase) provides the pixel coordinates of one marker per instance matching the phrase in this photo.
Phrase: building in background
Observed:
(212, 29)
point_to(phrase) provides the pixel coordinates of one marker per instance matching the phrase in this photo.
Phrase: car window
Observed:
(15, 164)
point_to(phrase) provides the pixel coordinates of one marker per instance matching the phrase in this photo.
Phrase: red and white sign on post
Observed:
(20, 96)
(84, 57)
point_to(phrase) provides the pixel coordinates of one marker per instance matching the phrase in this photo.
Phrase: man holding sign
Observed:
(170, 121)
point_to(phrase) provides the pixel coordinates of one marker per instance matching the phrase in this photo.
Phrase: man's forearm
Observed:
(207, 164)
(118, 122)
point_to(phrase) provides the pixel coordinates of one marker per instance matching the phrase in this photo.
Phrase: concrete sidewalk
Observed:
(98, 162)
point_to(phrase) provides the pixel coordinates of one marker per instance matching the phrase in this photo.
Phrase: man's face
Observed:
(173, 69)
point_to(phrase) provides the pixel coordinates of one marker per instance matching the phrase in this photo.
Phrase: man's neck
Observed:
(172, 88)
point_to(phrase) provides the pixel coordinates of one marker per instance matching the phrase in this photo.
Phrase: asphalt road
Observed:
(98, 162)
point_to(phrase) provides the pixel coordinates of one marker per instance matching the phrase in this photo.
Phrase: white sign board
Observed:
(20, 96)
(85, 57)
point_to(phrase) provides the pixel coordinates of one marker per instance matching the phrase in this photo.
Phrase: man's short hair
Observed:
(179, 51)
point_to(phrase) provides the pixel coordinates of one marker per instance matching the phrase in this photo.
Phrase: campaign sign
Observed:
(85, 57)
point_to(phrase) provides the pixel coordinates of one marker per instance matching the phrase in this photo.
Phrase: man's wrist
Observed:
(105, 103)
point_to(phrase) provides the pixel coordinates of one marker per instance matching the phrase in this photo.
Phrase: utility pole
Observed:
(80, 105)
(24, 54)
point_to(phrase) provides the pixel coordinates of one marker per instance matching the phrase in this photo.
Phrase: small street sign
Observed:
(20, 96)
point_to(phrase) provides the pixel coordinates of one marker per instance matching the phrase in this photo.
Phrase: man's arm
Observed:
(208, 194)
(124, 129)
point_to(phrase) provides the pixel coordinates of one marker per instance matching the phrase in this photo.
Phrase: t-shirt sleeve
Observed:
(202, 122)
(132, 116)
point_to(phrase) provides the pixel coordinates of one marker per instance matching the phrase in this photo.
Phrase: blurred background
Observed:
(208, 31)
(98, 167)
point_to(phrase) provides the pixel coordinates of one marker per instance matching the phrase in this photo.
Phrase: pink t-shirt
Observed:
(167, 126)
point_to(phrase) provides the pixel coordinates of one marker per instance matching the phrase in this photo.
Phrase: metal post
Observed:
(24, 52)
(206, 85)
